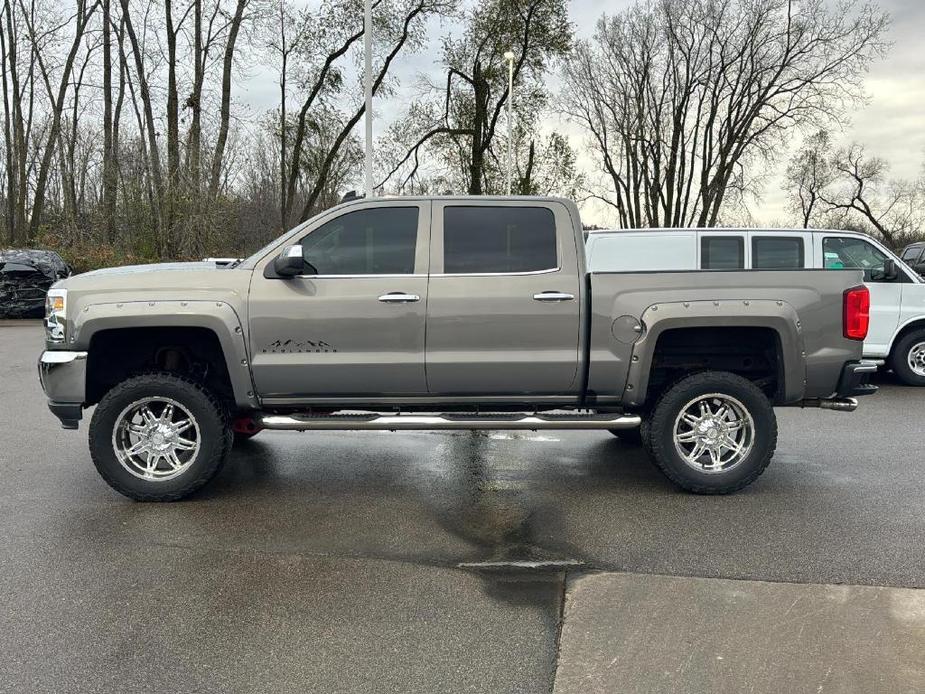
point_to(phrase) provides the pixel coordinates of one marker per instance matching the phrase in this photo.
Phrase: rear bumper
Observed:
(63, 375)
(854, 379)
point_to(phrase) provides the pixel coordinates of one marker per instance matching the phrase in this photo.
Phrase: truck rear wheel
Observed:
(712, 433)
(159, 437)
(908, 358)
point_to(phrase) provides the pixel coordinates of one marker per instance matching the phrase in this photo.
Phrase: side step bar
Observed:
(411, 422)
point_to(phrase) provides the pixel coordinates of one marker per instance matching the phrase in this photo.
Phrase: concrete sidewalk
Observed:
(644, 633)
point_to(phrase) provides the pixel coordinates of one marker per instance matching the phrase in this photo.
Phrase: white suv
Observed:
(897, 293)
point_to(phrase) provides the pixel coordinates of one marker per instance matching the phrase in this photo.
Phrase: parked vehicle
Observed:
(444, 313)
(897, 293)
(25, 276)
(913, 255)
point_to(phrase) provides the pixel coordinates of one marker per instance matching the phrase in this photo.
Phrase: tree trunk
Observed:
(477, 164)
(153, 153)
(38, 204)
(225, 114)
(109, 172)
(172, 189)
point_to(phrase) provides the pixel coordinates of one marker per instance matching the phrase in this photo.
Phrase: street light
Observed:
(509, 56)
(368, 50)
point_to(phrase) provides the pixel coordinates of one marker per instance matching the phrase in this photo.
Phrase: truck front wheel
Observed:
(712, 432)
(159, 437)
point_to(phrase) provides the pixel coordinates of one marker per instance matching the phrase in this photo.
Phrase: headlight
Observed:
(55, 314)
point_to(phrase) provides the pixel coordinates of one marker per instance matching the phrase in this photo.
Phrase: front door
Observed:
(353, 324)
(851, 252)
(504, 303)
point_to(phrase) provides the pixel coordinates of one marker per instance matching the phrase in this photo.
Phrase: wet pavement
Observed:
(332, 561)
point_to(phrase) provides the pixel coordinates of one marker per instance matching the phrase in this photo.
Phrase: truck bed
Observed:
(803, 306)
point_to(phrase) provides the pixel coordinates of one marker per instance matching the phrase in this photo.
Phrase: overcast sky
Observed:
(891, 125)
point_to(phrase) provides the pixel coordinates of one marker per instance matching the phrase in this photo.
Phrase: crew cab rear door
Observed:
(352, 326)
(504, 300)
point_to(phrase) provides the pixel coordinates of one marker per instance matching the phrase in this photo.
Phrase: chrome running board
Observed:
(412, 422)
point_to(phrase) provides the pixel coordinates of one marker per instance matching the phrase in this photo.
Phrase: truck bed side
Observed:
(638, 324)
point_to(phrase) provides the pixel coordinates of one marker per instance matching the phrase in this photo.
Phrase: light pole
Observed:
(368, 79)
(509, 56)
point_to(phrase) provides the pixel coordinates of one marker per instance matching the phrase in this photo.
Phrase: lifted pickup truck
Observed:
(444, 313)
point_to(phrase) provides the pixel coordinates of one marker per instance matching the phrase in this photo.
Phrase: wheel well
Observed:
(906, 329)
(751, 352)
(193, 352)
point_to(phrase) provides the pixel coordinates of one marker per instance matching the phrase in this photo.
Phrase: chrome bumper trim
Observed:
(63, 375)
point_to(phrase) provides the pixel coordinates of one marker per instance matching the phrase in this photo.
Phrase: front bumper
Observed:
(854, 379)
(64, 376)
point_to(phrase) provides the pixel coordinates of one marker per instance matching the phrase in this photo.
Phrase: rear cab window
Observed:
(498, 240)
(778, 253)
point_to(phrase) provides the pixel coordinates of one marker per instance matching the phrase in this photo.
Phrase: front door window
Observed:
(849, 253)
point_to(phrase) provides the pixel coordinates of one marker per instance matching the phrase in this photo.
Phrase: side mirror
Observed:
(290, 262)
(890, 271)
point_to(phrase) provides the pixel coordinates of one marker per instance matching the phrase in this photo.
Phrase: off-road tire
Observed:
(214, 427)
(660, 434)
(900, 355)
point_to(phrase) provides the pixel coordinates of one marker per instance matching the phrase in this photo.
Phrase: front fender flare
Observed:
(217, 316)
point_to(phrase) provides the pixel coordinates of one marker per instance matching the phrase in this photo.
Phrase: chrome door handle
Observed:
(553, 296)
(399, 298)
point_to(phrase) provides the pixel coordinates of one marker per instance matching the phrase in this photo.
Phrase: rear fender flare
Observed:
(779, 316)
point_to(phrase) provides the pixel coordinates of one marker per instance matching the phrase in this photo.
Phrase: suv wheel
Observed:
(712, 433)
(159, 437)
(908, 358)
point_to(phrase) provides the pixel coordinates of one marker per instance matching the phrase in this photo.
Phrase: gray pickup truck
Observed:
(444, 313)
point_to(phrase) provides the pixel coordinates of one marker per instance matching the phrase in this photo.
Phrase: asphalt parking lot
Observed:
(345, 562)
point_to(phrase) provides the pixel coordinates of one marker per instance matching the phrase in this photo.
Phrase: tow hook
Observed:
(837, 404)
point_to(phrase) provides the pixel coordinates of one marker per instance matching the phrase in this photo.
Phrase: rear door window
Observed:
(777, 253)
(722, 252)
(498, 240)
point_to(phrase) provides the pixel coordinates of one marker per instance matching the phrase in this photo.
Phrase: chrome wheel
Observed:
(714, 433)
(156, 439)
(916, 359)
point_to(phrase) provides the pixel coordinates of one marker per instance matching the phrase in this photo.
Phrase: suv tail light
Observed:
(856, 316)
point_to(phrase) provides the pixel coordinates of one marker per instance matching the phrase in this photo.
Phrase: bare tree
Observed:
(400, 23)
(809, 174)
(680, 97)
(893, 208)
(80, 20)
(458, 125)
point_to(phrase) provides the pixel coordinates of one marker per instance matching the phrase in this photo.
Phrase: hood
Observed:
(157, 280)
(152, 267)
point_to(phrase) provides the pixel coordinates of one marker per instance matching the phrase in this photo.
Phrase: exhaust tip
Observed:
(836, 404)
